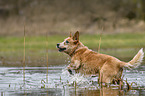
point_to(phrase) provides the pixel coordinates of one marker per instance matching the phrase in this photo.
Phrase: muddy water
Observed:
(60, 83)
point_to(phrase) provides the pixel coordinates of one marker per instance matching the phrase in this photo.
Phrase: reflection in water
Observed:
(2, 94)
(108, 92)
(105, 91)
(60, 83)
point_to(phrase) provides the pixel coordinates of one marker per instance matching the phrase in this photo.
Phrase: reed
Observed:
(43, 83)
(75, 85)
(133, 83)
(2, 94)
(47, 58)
(100, 40)
(60, 78)
(9, 85)
(24, 57)
(128, 86)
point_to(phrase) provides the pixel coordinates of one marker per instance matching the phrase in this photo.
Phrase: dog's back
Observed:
(92, 62)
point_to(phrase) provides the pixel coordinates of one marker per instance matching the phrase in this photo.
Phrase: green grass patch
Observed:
(122, 46)
(124, 40)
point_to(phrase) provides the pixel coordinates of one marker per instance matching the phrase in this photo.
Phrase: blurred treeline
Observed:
(63, 16)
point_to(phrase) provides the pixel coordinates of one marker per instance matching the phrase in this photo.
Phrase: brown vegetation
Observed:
(63, 16)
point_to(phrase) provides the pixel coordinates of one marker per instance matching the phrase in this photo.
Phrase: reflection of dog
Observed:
(88, 62)
(104, 91)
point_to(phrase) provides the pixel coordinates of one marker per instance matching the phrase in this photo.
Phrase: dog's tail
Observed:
(136, 61)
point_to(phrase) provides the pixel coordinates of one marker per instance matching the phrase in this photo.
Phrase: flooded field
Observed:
(34, 81)
(60, 83)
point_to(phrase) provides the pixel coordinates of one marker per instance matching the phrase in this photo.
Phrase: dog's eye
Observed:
(66, 41)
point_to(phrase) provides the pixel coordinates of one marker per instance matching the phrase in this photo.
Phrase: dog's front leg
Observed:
(69, 68)
(70, 71)
(73, 66)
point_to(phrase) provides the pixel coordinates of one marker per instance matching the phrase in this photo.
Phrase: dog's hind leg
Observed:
(100, 77)
(106, 79)
(107, 73)
(118, 77)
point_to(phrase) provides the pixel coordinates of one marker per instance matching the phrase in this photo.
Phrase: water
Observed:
(60, 83)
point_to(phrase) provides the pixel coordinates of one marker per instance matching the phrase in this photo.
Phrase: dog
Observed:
(88, 62)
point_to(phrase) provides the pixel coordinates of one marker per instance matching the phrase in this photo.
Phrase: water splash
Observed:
(58, 78)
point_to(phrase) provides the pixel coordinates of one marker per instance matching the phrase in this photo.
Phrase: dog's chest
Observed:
(84, 67)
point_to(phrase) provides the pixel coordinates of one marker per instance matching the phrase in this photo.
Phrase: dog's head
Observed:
(69, 44)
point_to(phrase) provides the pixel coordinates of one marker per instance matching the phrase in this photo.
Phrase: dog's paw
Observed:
(70, 71)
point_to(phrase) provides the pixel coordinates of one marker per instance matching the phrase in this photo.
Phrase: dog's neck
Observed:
(78, 45)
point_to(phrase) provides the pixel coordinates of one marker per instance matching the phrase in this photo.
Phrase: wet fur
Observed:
(88, 62)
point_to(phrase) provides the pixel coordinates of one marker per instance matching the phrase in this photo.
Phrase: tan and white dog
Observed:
(88, 62)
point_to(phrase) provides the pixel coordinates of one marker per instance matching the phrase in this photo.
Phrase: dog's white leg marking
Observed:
(74, 65)
(77, 64)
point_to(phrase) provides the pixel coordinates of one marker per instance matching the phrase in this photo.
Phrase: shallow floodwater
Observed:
(60, 83)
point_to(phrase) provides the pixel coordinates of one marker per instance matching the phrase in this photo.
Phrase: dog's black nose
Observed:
(57, 45)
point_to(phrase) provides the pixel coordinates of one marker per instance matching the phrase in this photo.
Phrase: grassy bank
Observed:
(123, 46)
(126, 40)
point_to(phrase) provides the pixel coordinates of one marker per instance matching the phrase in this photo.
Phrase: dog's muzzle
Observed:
(60, 49)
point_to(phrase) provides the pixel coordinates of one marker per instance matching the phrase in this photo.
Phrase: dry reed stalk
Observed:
(47, 58)
(128, 86)
(24, 58)
(100, 40)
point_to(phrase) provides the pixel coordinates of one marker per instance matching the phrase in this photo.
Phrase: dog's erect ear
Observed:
(70, 35)
(76, 36)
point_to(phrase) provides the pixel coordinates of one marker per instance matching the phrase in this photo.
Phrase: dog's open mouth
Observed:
(61, 49)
